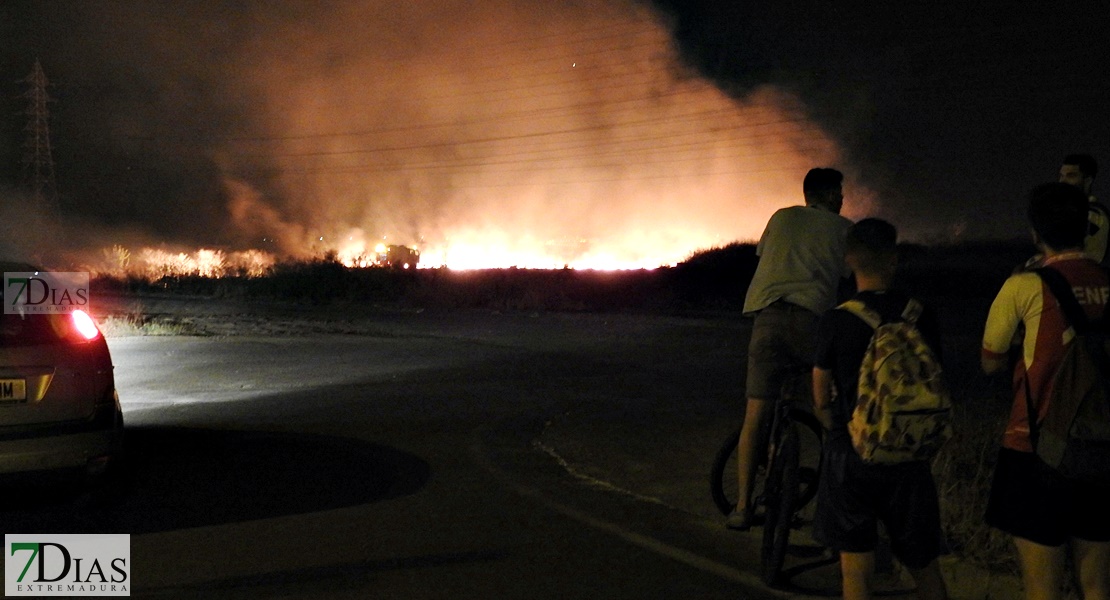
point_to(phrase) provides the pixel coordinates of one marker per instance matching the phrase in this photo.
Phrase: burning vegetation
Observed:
(153, 264)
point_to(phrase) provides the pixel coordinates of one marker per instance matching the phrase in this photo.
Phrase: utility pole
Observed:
(38, 161)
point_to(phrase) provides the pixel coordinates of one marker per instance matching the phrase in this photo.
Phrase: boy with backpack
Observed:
(893, 484)
(1051, 487)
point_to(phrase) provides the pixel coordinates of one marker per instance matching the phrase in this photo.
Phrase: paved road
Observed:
(407, 461)
(427, 455)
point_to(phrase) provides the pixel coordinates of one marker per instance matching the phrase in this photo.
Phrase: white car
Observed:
(58, 403)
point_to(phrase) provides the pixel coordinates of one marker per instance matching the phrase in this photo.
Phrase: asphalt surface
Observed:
(642, 430)
(661, 452)
(666, 460)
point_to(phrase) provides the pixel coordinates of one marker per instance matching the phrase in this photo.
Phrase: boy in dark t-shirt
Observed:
(854, 496)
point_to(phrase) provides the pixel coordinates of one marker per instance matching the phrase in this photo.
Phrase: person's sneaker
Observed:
(739, 520)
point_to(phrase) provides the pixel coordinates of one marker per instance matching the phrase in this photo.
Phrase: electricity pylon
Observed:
(38, 161)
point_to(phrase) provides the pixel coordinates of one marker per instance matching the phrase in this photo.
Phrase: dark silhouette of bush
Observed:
(717, 278)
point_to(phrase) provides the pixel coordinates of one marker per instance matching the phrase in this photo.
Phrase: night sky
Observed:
(576, 126)
(953, 109)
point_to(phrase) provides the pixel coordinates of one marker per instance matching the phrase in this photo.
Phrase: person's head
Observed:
(1079, 170)
(1058, 215)
(824, 187)
(871, 248)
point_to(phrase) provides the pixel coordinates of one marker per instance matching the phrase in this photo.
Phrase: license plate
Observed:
(13, 390)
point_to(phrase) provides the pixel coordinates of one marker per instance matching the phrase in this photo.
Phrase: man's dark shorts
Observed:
(782, 345)
(853, 497)
(1030, 501)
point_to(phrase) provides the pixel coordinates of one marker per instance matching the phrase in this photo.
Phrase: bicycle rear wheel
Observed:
(723, 473)
(781, 496)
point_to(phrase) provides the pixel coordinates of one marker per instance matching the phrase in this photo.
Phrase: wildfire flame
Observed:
(153, 263)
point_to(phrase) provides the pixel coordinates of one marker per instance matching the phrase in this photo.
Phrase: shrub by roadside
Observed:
(963, 471)
(133, 321)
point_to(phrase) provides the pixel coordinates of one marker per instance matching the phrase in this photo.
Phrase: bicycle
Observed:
(789, 481)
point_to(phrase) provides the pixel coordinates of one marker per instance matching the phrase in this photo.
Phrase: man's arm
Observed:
(1098, 228)
(993, 363)
(822, 396)
(1004, 318)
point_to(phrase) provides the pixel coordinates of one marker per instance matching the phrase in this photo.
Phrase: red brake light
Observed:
(84, 324)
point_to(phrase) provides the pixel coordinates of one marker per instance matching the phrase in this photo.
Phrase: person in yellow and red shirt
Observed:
(1046, 514)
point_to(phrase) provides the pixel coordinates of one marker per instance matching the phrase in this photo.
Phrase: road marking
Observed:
(594, 481)
(686, 557)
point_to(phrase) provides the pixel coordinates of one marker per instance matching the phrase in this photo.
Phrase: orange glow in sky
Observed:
(505, 136)
(573, 138)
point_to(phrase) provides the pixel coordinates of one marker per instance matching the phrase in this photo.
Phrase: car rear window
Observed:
(30, 330)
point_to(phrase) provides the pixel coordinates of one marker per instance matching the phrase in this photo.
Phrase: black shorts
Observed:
(1030, 501)
(853, 497)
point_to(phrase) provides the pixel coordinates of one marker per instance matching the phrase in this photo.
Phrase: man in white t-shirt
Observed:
(1080, 170)
(801, 265)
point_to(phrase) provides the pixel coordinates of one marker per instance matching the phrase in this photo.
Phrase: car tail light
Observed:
(84, 325)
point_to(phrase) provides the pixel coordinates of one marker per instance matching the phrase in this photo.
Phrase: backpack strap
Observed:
(1074, 316)
(1063, 293)
(910, 314)
(864, 312)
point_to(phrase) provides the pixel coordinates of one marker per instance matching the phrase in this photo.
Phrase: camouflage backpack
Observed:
(903, 409)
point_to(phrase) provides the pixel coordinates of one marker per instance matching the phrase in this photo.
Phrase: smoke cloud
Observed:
(497, 133)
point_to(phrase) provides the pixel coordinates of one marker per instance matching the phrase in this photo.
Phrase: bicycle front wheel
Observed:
(723, 475)
(781, 497)
(811, 437)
